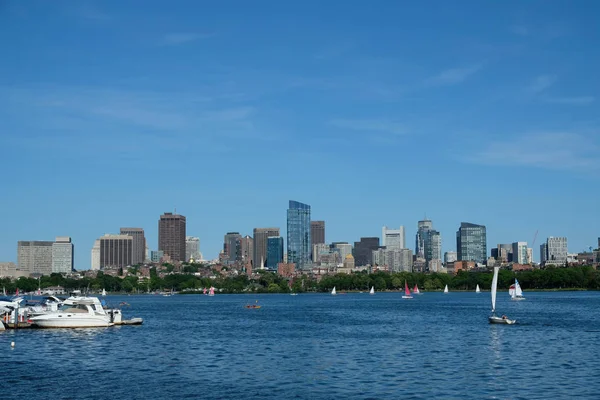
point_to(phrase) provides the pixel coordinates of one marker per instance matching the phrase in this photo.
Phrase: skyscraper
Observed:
(363, 250)
(232, 247)
(471, 243)
(298, 234)
(428, 242)
(519, 253)
(543, 253)
(422, 226)
(35, 256)
(139, 244)
(274, 252)
(393, 239)
(261, 236)
(192, 248)
(116, 251)
(171, 235)
(96, 256)
(62, 255)
(557, 250)
(317, 232)
(247, 245)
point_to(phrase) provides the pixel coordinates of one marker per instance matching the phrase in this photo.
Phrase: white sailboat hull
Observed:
(499, 320)
(407, 297)
(516, 298)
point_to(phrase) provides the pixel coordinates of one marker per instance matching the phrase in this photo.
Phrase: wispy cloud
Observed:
(178, 38)
(577, 101)
(372, 125)
(550, 150)
(541, 83)
(453, 76)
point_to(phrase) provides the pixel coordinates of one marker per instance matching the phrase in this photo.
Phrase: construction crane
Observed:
(532, 246)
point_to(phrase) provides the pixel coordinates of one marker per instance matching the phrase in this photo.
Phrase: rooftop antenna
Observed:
(175, 210)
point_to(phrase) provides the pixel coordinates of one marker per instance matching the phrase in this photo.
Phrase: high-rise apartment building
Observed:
(171, 236)
(363, 250)
(261, 236)
(139, 244)
(317, 232)
(116, 251)
(35, 256)
(274, 252)
(298, 234)
(247, 248)
(471, 243)
(393, 239)
(399, 260)
(543, 253)
(192, 248)
(96, 256)
(232, 247)
(556, 248)
(422, 227)
(519, 253)
(62, 255)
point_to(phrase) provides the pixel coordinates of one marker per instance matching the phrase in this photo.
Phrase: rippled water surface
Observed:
(317, 346)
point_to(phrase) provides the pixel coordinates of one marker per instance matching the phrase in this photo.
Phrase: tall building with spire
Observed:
(299, 246)
(171, 236)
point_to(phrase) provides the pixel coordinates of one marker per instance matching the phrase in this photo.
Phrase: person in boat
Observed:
(504, 317)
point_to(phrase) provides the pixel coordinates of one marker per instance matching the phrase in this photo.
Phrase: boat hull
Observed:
(500, 320)
(69, 322)
(516, 298)
(407, 297)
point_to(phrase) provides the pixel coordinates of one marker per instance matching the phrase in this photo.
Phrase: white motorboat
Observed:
(48, 304)
(77, 312)
(494, 319)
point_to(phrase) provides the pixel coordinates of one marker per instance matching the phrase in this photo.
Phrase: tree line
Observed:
(267, 282)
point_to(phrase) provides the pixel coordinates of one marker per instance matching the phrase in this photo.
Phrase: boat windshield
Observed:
(78, 308)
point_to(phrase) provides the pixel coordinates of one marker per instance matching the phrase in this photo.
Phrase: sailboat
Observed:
(372, 291)
(333, 292)
(103, 292)
(446, 289)
(477, 290)
(515, 291)
(494, 319)
(406, 292)
(211, 291)
(416, 290)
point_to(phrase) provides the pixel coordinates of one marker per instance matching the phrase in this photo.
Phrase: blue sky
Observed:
(374, 113)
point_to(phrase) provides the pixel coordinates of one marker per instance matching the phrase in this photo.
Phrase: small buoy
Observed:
(12, 344)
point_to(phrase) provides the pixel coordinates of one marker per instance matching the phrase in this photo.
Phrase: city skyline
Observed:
(491, 121)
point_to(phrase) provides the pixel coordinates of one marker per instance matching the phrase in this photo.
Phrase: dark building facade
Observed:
(116, 251)
(471, 243)
(232, 247)
(299, 248)
(362, 251)
(274, 252)
(171, 236)
(317, 232)
(139, 244)
(260, 239)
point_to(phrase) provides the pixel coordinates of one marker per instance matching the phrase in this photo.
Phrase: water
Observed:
(317, 346)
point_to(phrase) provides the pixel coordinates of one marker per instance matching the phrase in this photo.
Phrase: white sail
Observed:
(446, 289)
(333, 291)
(477, 290)
(494, 287)
(518, 291)
(372, 290)
(103, 292)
